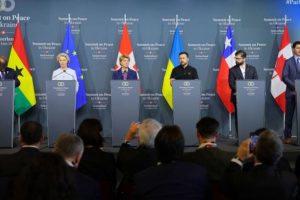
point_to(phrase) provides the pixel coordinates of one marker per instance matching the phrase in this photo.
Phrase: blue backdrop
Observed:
(97, 27)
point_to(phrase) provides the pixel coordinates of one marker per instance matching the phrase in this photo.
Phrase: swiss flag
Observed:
(126, 49)
(278, 87)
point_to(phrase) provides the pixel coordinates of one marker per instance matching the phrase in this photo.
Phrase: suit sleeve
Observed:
(196, 74)
(232, 81)
(285, 76)
(228, 180)
(17, 82)
(255, 74)
(124, 156)
(172, 74)
(135, 75)
(53, 75)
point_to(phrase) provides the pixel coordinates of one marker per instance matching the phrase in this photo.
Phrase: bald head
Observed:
(3, 63)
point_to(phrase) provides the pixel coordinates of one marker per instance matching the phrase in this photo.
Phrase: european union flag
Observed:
(69, 48)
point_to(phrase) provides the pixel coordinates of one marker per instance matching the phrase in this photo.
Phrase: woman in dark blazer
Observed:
(95, 162)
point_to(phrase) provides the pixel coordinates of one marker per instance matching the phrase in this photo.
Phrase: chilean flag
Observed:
(278, 87)
(126, 49)
(227, 61)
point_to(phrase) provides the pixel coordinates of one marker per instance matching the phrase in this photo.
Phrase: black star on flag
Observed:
(19, 71)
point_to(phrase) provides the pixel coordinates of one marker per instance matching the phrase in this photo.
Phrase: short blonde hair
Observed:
(63, 55)
(122, 57)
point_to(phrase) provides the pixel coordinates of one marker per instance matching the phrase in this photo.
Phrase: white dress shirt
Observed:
(65, 75)
(243, 70)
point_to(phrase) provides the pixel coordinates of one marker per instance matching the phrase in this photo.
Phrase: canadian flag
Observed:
(126, 49)
(278, 87)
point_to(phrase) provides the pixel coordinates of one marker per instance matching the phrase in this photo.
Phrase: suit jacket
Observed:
(13, 164)
(132, 160)
(214, 160)
(11, 74)
(101, 166)
(177, 180)
(98, 165)
(118, 75)
(86, 187)
(235, 74)
(282, 165)
(290, 74)
(262, 182)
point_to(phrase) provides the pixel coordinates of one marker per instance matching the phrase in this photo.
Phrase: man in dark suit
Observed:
(11, 166)
(291, 72)
(71, 148)
(124, 73)
(171, 178)
(241, 71)
(7, 73)
(132, 160)
(264, 181)
(31, 137)
(208, 154)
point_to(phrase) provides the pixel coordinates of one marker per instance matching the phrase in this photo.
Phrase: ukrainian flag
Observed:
(173, 61)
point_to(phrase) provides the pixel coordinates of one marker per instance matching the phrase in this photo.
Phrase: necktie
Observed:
(2, 75)
(125, 75)
(298, 64)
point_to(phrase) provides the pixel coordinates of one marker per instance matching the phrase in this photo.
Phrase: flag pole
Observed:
(230, 123)
(19, 118)
(285, 21)
(19, 125)
(125, 19)
(18, 18)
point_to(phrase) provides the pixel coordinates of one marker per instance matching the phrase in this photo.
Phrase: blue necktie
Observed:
(298, 64)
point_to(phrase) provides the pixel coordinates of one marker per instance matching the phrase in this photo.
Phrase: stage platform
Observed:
(290, 151)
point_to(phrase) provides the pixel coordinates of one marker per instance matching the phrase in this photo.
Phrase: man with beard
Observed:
(241, 71)
(184, 71)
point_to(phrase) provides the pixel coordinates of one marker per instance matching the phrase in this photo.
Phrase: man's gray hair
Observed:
(68, 145)
(147, 131)
(269, 148)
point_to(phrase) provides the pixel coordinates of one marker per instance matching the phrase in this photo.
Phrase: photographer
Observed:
(264, 181)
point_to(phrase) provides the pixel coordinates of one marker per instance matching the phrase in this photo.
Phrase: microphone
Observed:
(69, 74)
(53, 78)
(64, 71)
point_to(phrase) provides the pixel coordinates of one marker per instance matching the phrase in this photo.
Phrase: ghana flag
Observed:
(25, 95)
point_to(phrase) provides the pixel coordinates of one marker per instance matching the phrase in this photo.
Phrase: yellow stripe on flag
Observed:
(26, 86)
(167, 88)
